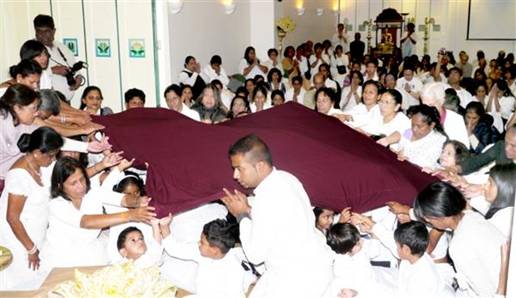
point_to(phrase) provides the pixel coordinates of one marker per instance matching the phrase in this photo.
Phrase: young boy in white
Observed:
(417, 276)
(351, 266)
(220, 273)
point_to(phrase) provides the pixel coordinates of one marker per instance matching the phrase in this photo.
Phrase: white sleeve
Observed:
(184, 79)
(223, 77)
(386, 237)
(16, 183)
(243, 64)
(112, 198)
(506, 106)
(112, 179)
(254, 236)
(64, 213)
(73, 145)
(184, 251)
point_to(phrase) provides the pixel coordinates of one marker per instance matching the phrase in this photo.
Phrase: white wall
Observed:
(87, 20)
(450, 15)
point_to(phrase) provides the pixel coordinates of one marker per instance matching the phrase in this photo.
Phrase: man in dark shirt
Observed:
(357, 48)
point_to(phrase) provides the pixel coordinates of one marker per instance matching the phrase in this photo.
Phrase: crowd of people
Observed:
(67, 200)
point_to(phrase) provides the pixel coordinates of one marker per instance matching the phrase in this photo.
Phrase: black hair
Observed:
(173, 88)
(396, 95)
(50, 101)
(260, 88)
(220, 233)
(359, 74)
(342, 237)
(129, 94)
(16, 94)
(256, 147)
(258, 78)
(44, 139)
(288, 48)
(328, 92)
(273, 70)
(249, 80)
(120, 242)
(217, 83)
(378, 85)
(277, 92)
(270, 51)
(480, 54)
(130, 178)
(63, 169)
(243, 91)
(85, 93)
(461, 151)
(297, 78)
(42, 20)
(31, 49)
(439, 199)
(504, 87)
(187, 59)
(504, 176)
(430, 115)
(25, 68)
(477, 108)
(246, 54)
(186, 86)
(216, 59)
(414, 235)
(338, 47)
(244, 99)
(451, 100)
(455, 68)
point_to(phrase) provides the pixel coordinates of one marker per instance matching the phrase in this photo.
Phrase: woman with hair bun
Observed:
(24, 207)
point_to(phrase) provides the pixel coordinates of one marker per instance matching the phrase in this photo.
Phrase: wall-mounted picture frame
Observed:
(137, 48)
(103, 47)
(72, 44)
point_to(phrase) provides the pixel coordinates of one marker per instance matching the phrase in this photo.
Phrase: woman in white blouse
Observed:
(422, 144)
(339, 65)
(500, 191)
(501, 101)
(260, 99)
(24, 207)
(475, 244)
(250, 66)
(363, 114)
(351, 95)
(325, 102)
(393, 123)
(76, 217)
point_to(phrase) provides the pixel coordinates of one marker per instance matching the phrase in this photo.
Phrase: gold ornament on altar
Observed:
(284, 26)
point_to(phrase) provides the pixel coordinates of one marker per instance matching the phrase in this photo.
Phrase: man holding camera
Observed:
(61, 61)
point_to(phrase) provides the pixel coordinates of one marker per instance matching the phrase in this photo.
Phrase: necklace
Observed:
(36, 174)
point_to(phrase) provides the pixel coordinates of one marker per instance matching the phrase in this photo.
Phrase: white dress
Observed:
(415, 85)
(254, 71)
(69, 245)
(352, 102)
(400, 123)
(455, 128)
(34, 218)
(362, 116)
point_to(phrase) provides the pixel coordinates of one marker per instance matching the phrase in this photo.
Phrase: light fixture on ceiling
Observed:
(300, 11)
(175, 6)
(229, 6)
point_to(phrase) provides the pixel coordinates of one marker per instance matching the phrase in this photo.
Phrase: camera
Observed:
(70, 76)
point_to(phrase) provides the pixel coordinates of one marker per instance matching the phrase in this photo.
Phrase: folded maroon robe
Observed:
(189, 163)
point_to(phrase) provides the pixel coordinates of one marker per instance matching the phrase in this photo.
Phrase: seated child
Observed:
(418, 275)
(352, 267)
(220, 273)
(131, 244)
(324, 218)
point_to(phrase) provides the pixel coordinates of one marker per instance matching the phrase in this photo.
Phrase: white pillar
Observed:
(262, 26)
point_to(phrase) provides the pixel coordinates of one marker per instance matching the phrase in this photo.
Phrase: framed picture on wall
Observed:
(72, 44)
(102, 47)
(137, 48)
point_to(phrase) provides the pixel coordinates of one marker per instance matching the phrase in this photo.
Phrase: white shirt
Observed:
(185, 110)
(254, 71)
(45, 80)
(289, 95)
(506, 106)
(329, 83)
(464, 96)
(67, 243)
(475, 251)
(270, 65)
(502, 220)
(58, 81)
(455, 128)
(415, 86)
(407, 47)
(222, 278)
(266, 106)
(34, 218)
(298, 265)
(303, 65)
(423, 152)
(400, 123)
(352, 102)
(209, 74)
(343, 41)
(188, 77)
(362, 116)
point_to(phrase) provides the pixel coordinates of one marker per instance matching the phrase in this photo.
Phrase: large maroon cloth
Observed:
(189, 163)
